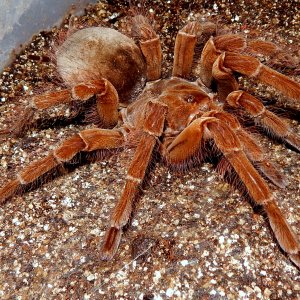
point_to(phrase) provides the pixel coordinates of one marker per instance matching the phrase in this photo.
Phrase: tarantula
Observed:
(174, 117)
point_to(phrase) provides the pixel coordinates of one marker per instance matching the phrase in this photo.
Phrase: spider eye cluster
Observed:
(190, 99)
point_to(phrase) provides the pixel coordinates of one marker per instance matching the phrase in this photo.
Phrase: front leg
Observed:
(254, 152)
(152, 128)
(189, 141)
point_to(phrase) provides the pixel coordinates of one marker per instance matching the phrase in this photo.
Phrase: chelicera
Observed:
(173, 117)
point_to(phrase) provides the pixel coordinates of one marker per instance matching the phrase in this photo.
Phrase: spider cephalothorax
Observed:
(174, 113)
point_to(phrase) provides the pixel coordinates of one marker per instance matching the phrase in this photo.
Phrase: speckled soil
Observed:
(192, 235)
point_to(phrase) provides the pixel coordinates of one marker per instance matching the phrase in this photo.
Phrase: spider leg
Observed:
(212, 50)
(152, 128)
(238, 43)
(86, 140)
(25, 116)
(228, 143)
(106, 98)
(254, 152)
(233, 45)
(226, 82)
(150, 45)
(184, 49)
(107, 102)
(269, 121)
(252, 67)
(227, 62)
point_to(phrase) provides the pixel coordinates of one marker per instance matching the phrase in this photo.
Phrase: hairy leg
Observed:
(252, 67)
(152, 128)
(269, 121)
(107, 102)
(86, 140)
(184, 49)
(231, 46)
(150, 45)
(188, 141)
(253, 151)
(226, 82)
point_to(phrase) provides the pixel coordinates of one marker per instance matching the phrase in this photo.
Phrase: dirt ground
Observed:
(192, 235)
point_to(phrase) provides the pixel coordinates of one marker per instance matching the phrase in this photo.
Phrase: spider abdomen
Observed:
(98, 52)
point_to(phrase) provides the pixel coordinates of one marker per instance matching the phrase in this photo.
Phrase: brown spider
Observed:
(173, 116)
